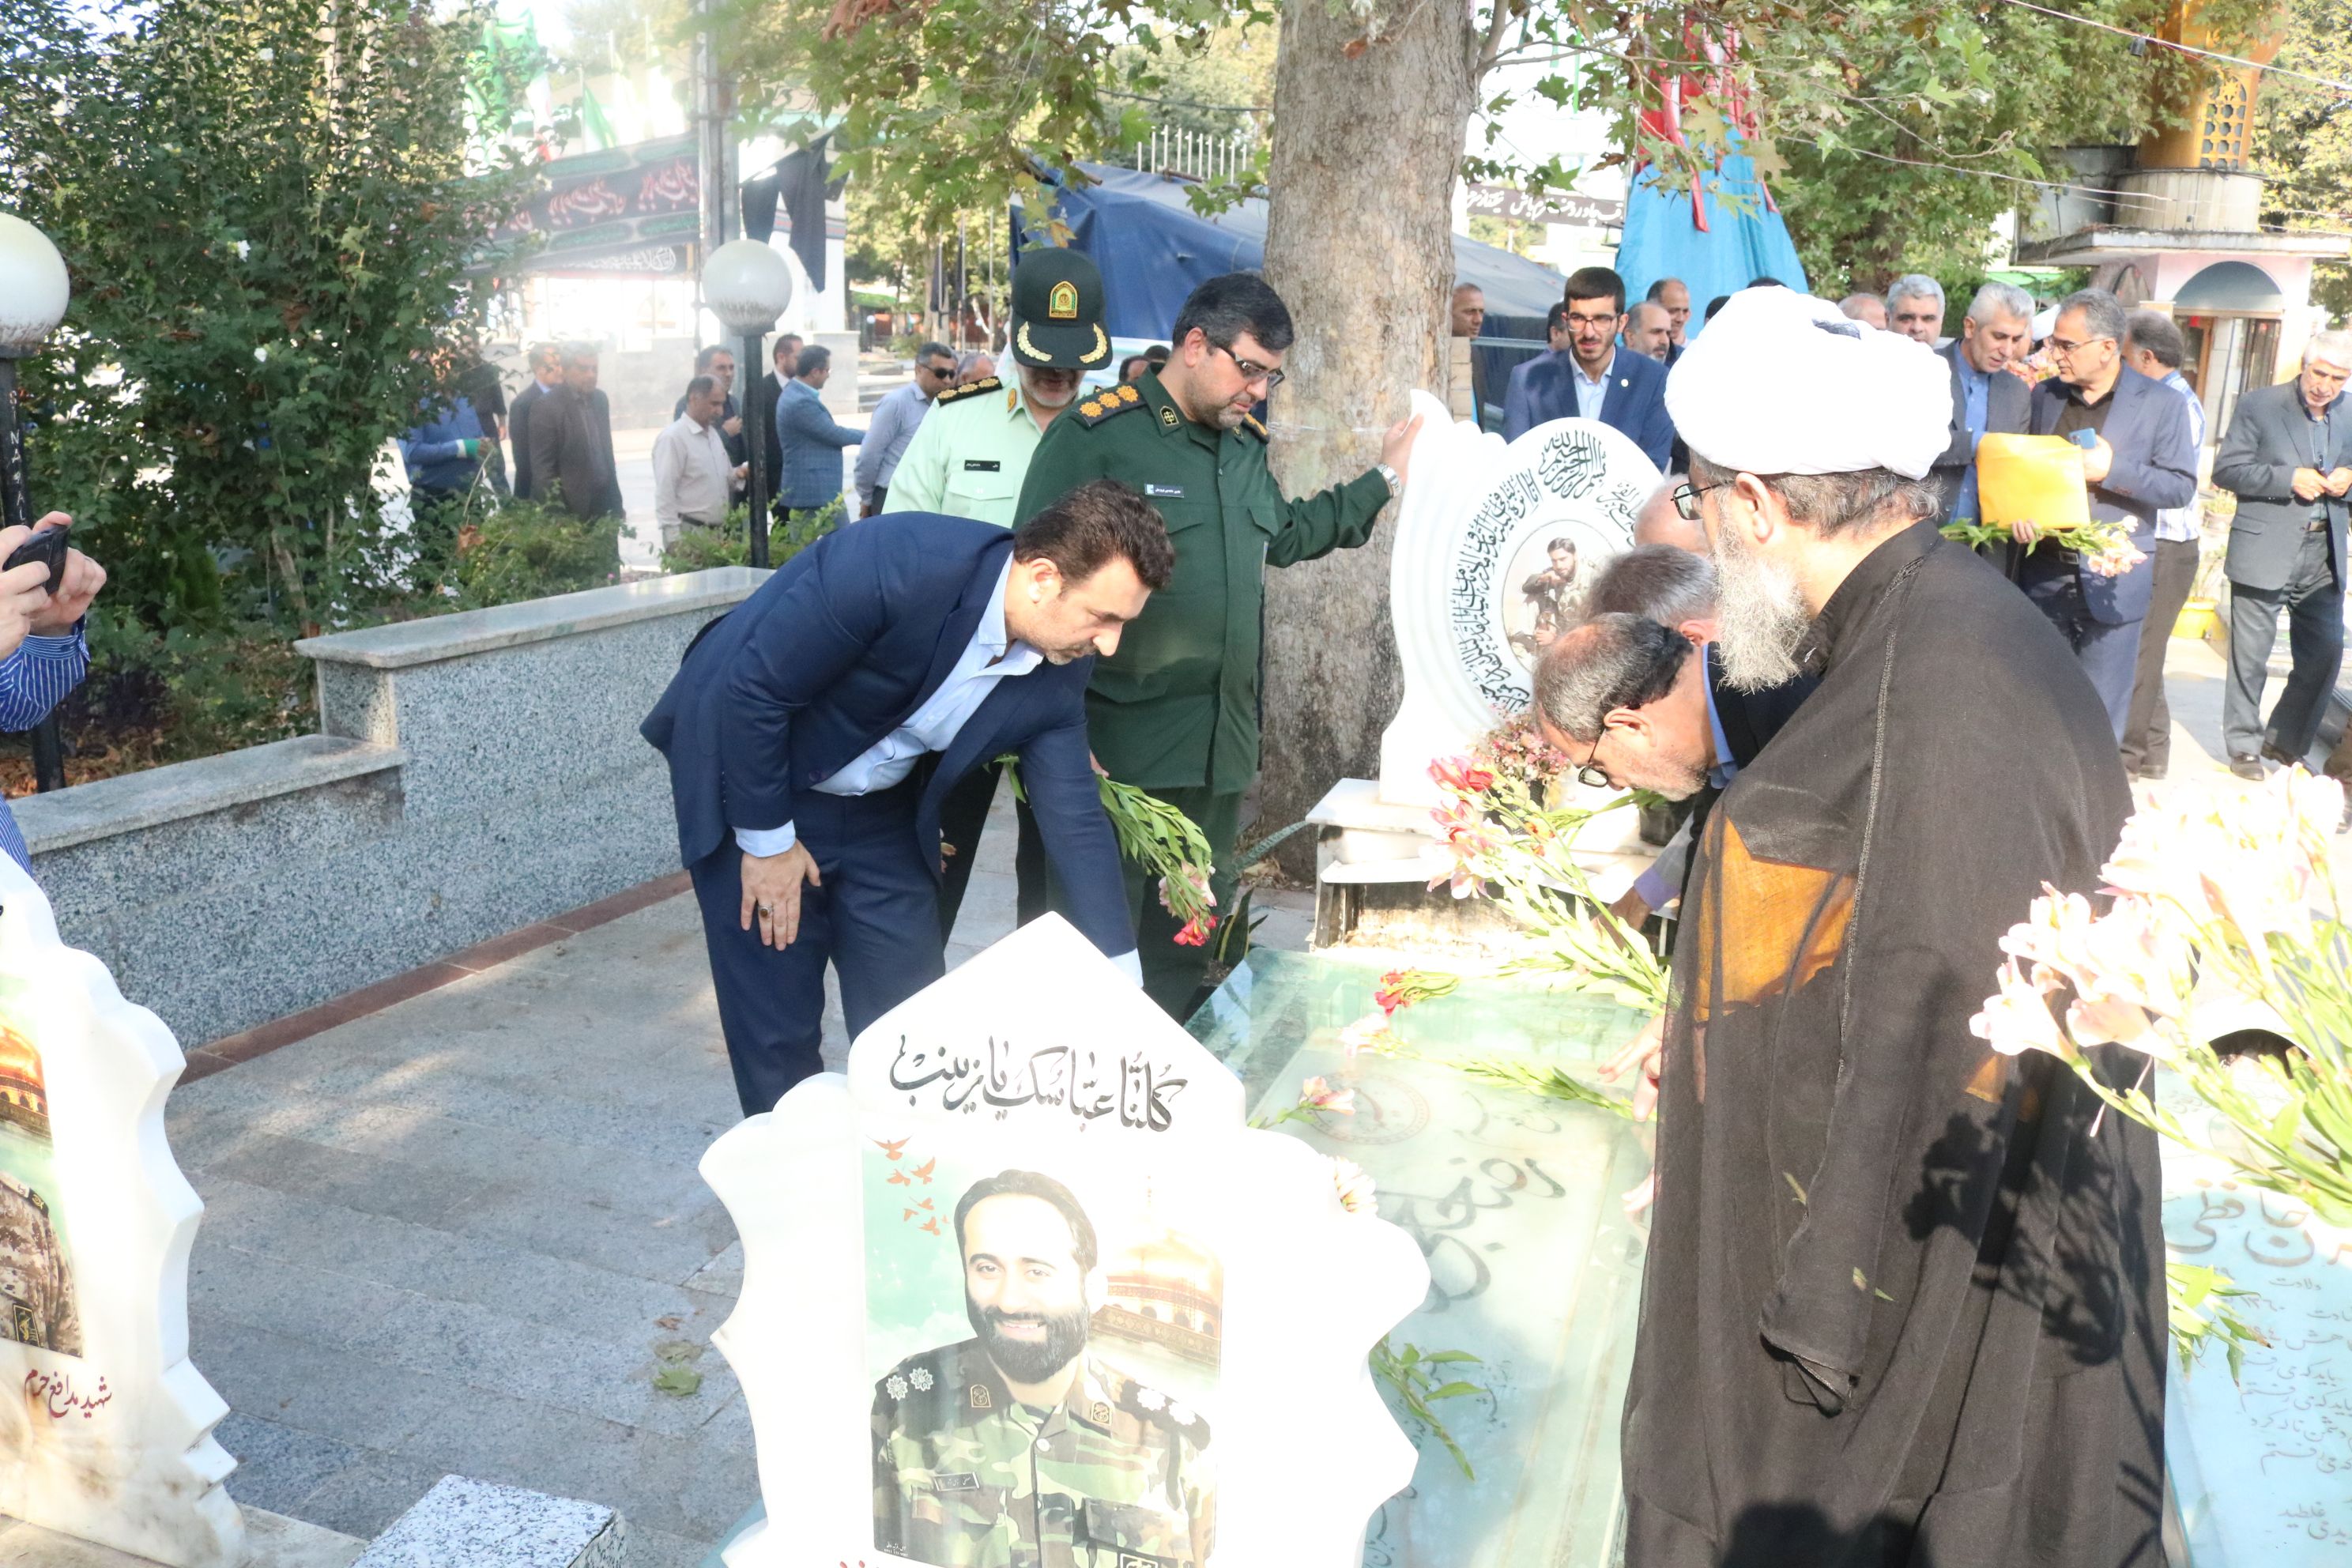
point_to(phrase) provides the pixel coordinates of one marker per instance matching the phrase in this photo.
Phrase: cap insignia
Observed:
(1062, 304)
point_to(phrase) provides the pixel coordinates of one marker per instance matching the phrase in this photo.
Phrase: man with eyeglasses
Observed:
(1175, 711)
(2140, 458)
(1903, 1295)
(896, 419)
(1595, 379)
(2288, 459)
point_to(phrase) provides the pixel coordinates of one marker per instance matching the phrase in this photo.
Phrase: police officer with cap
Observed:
(970, 458)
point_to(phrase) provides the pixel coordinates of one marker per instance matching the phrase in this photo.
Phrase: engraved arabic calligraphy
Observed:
(54, 1392)
(1003, 1076)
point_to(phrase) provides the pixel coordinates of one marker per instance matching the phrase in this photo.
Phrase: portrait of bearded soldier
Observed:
(1019, 1448)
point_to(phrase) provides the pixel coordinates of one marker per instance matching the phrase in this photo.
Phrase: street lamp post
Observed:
(33, 293)
(747, 286)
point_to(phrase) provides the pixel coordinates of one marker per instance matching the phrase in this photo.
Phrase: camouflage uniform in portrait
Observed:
(966, 1476)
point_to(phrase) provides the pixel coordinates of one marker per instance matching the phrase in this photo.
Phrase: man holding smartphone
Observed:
(43, 655)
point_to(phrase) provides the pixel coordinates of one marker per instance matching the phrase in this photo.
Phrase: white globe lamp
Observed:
(748, 286)
(33, 287)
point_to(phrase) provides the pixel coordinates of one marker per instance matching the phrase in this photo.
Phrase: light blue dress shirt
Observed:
(1591, 395)
(991, 656)
(1663, 883)
(894, 424)
(2182, 523)
(1976, 406)
(33, 680)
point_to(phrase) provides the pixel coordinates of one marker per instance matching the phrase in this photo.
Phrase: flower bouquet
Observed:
(1156, 835)
(2106, 548)
(2227, 913)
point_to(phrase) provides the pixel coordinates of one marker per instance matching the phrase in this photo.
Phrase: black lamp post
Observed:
(33, 293)
(747, 286)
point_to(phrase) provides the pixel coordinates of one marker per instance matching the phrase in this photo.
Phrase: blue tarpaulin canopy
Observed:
(1662, 240)
(1152, 249)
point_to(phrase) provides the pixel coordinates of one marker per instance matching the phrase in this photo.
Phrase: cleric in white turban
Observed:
(1904, 1302)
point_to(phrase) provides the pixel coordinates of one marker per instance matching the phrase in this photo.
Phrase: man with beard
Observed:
(1017, 1448)
(1549, 590)
(1176, 711)
(1903, 1302)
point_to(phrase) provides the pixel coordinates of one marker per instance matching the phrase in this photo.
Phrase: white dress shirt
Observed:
(693, 481)
(991, 656)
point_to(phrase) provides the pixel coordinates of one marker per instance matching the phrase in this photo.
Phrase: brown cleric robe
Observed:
(1903, 1302)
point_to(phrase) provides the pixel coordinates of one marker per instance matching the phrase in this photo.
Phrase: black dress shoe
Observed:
(2278, 756)
(2247, 767)
(2149, 773)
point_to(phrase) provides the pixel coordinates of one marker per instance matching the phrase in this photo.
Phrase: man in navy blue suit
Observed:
(812, 732)
(2141, 458)
(1593, 378)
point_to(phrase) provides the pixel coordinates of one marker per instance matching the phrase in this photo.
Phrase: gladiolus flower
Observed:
(1196, 932)
(2017, 1018)
(1369, 1033)
(1461, 775)
(1357, 1194)
(1391, 996)
(1316, 1094)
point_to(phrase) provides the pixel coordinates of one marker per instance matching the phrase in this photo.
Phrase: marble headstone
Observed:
(1027, 1169)
(106, 1432)
(1495, 543)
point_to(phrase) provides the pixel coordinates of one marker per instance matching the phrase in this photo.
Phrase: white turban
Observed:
(1781, 382)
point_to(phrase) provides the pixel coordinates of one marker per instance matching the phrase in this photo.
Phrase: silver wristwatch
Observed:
(1396, 485)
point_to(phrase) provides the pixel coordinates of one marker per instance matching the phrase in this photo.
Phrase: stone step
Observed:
(277, 1542)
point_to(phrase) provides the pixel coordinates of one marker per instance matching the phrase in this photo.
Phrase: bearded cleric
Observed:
(1904, 1299)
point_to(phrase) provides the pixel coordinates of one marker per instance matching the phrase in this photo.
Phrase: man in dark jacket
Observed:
(1987, 399)
(1593, 378)
(2141, 459)
(546, 362)
(2288, 459)
(812, 732)
(571, 441)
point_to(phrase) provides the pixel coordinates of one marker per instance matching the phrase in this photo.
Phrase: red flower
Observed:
(1461, 775)
(1196, 932)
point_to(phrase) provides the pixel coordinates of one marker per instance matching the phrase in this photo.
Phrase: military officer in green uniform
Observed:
(967, 458)
(1018, 1448)
(1175, 711)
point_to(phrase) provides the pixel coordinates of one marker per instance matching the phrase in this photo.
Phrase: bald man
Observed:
(1659, 522)
(1867, 308)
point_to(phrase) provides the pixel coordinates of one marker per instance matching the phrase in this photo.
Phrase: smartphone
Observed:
(2086, 439)
(49, 546)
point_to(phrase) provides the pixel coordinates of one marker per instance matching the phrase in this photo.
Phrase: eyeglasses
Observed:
(1589, 775)
(943, 372)
(1251, 369)
(1686, 499)
(2061, 346)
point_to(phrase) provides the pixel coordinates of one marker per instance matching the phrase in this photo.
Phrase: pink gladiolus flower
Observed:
(1391, 996)
(2017, 1018)
(2111, 1022)
(1461, 880)
(1196, 932)
(1370, 1032)
(1357, 1194)
(1316, 1094)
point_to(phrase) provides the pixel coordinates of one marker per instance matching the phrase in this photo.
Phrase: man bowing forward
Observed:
(812, 732)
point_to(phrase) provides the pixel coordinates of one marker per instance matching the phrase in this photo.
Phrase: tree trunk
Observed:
(1359, 243)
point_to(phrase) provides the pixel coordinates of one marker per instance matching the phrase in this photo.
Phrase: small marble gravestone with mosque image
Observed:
(106, 1433)
(1023, 1286)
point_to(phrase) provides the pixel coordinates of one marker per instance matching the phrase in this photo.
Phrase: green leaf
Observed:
(680, 1381)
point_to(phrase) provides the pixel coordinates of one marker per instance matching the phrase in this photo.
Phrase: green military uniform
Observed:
(1175, 710)
(967, 1477)
(969, 455)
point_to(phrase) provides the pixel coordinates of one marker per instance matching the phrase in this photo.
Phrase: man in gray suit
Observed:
(1987, 398)
(2154, 347)
(2288, 459)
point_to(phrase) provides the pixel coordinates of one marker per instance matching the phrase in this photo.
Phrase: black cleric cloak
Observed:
(1903, 1302)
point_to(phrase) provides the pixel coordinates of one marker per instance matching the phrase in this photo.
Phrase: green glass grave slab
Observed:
(1516, 1199)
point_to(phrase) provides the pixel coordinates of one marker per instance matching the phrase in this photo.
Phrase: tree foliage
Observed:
(2302, 139)
(268, 209)
(1895, 130)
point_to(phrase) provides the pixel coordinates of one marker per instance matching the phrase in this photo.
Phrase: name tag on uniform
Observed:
(956, 1481)
(1165, 492)
(981, 466)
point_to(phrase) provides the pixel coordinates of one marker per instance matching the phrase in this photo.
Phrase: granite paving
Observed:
(459, 1233)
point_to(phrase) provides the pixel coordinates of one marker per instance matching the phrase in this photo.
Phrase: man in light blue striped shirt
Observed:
(2154, 347)
(43, 654)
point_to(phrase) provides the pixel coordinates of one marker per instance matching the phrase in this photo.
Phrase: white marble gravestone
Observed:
(105, 1425)
(1228, 1308)
(1471, 586)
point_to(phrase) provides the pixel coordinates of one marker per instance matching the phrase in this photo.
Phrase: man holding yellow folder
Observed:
(2139, 458)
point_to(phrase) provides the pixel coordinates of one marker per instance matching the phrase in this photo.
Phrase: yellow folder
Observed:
(2032, 478)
